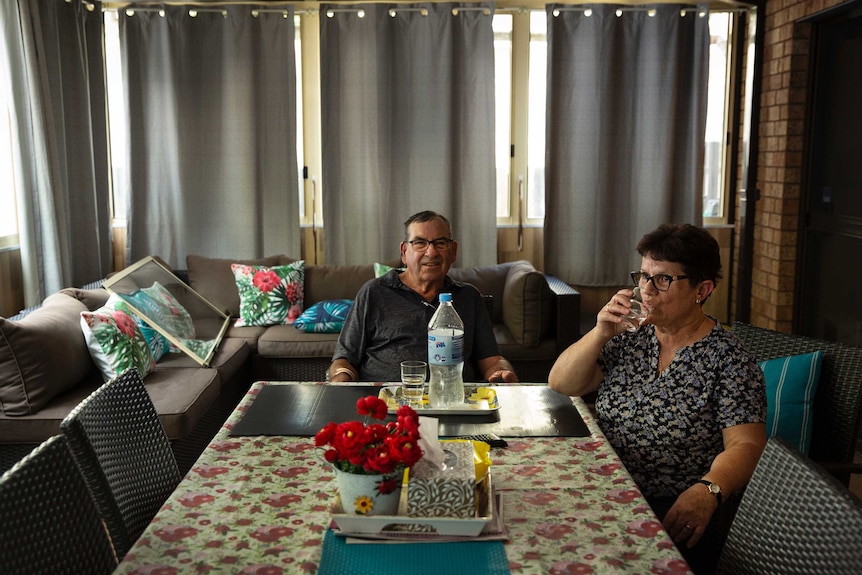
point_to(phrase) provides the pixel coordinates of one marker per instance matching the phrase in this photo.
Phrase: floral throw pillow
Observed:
(269, 296)
(160, 305)
(381, 270)
(115, 342)
(324, 316)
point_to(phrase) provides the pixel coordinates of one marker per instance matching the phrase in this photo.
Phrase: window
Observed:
(535, 198)
(714, 163)
(532, 107)
(118, 132)
(502, 25)
(8, 215)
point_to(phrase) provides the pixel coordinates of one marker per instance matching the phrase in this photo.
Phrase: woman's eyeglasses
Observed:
(661, 282)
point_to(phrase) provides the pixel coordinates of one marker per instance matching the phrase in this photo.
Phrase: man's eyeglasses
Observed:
(440, 244)
(661, 282)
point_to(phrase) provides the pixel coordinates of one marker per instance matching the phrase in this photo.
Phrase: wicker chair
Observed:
(48, 520)
(126, 458)
(793, 518)
(837, 402)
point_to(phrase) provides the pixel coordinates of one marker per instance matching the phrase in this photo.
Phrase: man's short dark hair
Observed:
(421, 218)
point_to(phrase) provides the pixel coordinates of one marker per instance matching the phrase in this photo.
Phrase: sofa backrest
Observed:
(44, 353)
(523, 302)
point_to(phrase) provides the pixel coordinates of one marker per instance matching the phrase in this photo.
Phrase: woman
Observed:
(680, 399)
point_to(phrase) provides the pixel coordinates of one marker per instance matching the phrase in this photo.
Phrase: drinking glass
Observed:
(413, 382)
(637, 315)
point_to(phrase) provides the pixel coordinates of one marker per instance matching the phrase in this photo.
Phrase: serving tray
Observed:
(392, 396)
(402, 526)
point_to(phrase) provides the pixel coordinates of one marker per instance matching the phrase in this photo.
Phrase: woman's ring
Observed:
(687, 526)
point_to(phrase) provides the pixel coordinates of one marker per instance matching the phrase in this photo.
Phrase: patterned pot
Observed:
(369, 494)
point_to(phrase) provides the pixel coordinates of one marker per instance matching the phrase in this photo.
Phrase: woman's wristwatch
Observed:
(713, 488)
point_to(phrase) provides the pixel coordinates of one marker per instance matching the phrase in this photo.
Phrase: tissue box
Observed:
(448, 492)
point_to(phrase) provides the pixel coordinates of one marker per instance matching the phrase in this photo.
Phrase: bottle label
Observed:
(446, 347)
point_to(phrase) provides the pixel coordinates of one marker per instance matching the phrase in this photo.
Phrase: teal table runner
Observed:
(469, 558)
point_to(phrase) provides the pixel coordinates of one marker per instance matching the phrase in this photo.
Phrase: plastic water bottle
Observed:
(446, 355)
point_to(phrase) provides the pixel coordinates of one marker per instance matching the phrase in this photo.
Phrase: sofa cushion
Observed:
(213, 279)
(42, 355)
(791, 383)
(269, 296)
(92, 298)
(115, 341)
(160, 306)
(527, 304)
(324, 283)
(489, 280)
(181, 398)
(324, 316)
(285, 341)
(228, 359)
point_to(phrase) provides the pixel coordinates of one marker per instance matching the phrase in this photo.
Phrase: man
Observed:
(388, 322)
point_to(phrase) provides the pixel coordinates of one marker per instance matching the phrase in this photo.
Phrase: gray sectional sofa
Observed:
(45, 368)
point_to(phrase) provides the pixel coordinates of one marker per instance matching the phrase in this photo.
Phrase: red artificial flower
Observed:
(373, 406)
(375, 447)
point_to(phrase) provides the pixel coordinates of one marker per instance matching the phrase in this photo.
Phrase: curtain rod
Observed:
(585, 7)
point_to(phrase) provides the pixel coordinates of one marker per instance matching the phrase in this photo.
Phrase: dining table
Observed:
(261, 501)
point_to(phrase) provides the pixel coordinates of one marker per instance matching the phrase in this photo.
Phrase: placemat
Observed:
(302, 410)
(470, 558)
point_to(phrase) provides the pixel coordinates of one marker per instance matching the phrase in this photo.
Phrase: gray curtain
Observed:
(625, 128)
(407, 125)
(53, 58)
(211, 108)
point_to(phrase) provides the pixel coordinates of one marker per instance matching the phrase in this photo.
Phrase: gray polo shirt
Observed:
(388, 324)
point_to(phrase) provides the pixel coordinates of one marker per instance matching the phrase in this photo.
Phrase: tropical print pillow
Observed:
(115, 342)
(269, 296)
(159, 344)
(381, 270)
(160, 306)
(324, 316)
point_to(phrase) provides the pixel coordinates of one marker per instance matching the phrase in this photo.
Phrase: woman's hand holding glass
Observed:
(625, 308)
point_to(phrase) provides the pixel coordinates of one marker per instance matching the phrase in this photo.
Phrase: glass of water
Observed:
(413, 375)
(638, 314)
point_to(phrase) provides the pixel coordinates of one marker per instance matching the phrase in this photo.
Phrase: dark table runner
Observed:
(302, 410)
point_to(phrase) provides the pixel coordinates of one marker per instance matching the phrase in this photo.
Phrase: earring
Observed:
(697, 300)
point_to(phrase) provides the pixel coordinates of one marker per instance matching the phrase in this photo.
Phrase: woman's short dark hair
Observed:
(690, 246)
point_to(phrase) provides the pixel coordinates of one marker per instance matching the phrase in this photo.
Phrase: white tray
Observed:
(404, 526)
(392, 396)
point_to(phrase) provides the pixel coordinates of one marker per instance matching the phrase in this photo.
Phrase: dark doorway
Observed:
(829, 305)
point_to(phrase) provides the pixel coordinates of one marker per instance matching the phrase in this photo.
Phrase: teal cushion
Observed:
(324, 316)
(790, 386)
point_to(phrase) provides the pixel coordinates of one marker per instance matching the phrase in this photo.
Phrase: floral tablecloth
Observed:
(262, 505)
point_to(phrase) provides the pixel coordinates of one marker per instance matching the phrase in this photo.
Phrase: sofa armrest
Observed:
(567, 312)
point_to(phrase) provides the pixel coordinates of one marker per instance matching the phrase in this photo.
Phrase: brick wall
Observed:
(780, 159)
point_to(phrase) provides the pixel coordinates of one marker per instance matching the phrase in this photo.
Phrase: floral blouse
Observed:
(667, 427)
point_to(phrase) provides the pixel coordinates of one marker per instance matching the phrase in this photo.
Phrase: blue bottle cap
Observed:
(445, 297)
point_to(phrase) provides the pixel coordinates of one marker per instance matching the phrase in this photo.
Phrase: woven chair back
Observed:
(793, 518)
(49, 523)
(124, 454)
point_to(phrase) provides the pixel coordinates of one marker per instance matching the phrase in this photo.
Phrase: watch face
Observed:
(714, 489)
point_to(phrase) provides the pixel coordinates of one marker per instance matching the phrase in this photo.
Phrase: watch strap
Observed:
(713, 489)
